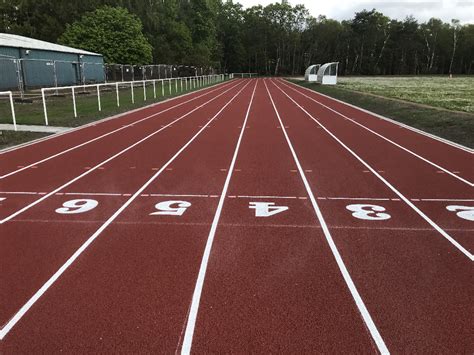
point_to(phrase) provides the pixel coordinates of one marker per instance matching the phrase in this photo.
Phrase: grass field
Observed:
(11, 138)
(457, 126)
(438, 91)
(60, 109)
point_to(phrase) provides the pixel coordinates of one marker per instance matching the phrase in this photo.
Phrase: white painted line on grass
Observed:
(342, 267)
(191, 323)
(11, 323)
(104, 135)
(390, 186)
(109, 159)
(384, 138)
(399, 124)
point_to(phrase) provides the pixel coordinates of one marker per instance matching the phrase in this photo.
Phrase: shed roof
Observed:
(10, 40)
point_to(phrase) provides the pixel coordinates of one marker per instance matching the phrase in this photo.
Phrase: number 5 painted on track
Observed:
(464, 212)
(166, 208)
(266, 209)
(77, 206)
(368, 212)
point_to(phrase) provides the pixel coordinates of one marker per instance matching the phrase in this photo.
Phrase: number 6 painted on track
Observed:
(368, 212)
(77, 206)
(166, 208)
(464, 212)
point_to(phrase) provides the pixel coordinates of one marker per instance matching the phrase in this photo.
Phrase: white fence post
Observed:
(162, 87)
(44, 107)
(74, 102)
(98, 98)
(12, 107)
(133, 94)
(170, 85)
(154, 89)
(117, 92)
(144, 91)
(176, 84)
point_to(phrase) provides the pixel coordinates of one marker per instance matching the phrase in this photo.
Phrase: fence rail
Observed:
(180, 84)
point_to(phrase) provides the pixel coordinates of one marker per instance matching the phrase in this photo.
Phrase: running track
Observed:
(254, 216)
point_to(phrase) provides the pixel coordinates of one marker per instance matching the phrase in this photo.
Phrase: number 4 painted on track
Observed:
(266, 209)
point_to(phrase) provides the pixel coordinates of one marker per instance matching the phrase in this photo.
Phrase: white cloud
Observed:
(422, 10)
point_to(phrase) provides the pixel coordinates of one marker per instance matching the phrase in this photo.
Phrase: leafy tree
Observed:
(113, 32)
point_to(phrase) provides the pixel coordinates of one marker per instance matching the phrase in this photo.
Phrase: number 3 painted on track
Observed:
(368, 212)
(166, 208)
(464, 212)
(77, 206)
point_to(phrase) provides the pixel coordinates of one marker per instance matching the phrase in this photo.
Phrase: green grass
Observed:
(455, 94)
(11, 138)
(60, 109)
(455, 126)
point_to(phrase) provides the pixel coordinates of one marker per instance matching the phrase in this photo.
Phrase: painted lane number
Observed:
(368, 212)
(77, 206)
(171, 208)
(464, 212)
(266, 209)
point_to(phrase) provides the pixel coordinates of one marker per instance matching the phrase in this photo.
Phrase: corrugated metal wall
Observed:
(47, 68)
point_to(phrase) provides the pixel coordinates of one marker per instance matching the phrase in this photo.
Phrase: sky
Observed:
(422, 10)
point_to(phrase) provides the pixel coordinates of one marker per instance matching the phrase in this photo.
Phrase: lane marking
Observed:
(342, 267)
(6, 219)
(193, 311)
(11, 323)
(33, 165)
(103, 120)
(390, 186)
(227, 224)
(385, 138)
(396, 123)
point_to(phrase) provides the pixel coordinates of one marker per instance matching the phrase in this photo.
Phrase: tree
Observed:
(111, 31)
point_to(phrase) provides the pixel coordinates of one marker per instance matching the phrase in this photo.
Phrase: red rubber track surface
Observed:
(220, 275)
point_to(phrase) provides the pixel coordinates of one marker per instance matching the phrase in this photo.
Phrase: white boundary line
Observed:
(191, 323)
(416, 130)
(342, 267)
(111, 158)
(105, 119)
(11, 323)
(390, 186)
(104, 135)
(383, 137)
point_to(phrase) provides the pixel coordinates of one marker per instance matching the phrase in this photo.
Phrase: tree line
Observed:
(275, 39)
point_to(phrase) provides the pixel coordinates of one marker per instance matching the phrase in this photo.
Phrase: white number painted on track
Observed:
(266, 209)
(2, 199)
(464, 212)
(368, 212)
(166, 208)
(77, 206)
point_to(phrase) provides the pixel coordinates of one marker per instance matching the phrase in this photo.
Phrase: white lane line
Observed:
(384, 138)
(108, 160)
(92, 194)
(396, 123)
(177, 195)
(271, 197)
(104, 135)
(342, 267)
(390, 186)
(193, 311)
(446, 199)
(11, 323)
(98, 122)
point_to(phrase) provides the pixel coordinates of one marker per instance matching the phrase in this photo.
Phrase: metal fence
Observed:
(20, 75)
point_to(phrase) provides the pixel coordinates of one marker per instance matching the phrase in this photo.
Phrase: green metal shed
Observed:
(27, 63)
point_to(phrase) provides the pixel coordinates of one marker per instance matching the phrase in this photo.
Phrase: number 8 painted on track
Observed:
(464, 212)
(77, 206)
(368, 212)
